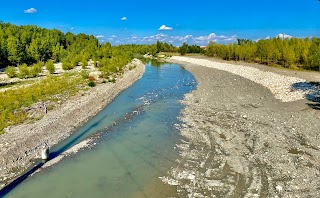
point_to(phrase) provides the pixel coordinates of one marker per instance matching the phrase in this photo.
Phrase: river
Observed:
(136, 144)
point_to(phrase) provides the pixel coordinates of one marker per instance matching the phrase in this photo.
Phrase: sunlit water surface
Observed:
(136, 144)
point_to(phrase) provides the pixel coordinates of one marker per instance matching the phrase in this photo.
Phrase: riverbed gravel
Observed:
(245, 135)
(284, 88)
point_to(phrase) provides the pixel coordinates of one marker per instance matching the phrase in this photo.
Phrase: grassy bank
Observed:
(12, 101)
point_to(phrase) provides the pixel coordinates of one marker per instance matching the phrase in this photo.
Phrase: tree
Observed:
(153, 49)
(183, 49)
(159, 47)
(14, 50)
(315, 54)
(288, 55)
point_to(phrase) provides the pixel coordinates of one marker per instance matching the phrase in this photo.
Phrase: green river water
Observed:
(135, 144)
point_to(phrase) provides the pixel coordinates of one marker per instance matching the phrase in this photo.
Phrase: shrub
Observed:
(84, 63)
(23, 71)
(91, 83)
(11, 72)
(67, 65)
(74, 62)
(84, 74)
(50, 67)
(38, 67)
(33, 71)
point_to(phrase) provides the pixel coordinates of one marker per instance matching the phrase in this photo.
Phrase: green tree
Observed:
(183, 49)
(14, 50)
(153, 49)
(314, 53)
(288, 55)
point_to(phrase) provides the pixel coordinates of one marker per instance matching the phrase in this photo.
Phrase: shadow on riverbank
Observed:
(313, 95)
(20, 179)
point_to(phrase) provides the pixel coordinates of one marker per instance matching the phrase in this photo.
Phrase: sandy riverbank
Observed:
(241, 140)
(20, 144)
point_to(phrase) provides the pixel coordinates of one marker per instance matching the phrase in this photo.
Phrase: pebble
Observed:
(281, 86)
(279, 188)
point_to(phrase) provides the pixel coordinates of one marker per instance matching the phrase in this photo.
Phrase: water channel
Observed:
(136, 143)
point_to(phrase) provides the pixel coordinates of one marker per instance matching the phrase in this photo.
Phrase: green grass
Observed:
(11, 101)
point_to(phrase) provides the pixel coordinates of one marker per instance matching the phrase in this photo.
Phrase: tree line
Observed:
(30, 47)
(301, 53)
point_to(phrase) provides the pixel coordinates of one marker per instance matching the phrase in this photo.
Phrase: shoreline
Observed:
(22, 143)
(240, 141)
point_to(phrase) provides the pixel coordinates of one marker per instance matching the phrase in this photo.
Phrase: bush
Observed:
(50, 67)
(67, 65)
(74, 62)
(84, 74)
(84, 63)
(11, 72)
(23, 71)
(33, 71)
(38, 67)
(91, 84)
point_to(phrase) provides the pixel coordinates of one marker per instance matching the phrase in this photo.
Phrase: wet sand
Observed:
(240, 141)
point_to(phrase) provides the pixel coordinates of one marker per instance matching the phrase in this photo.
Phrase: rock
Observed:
(279, 188)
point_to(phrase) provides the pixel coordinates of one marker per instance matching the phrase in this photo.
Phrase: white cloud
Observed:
(164, 27)
(284, 36)
(100, 36)
(30, 11)
(123, 18)
(203, 40)
(176, 40)
(72, 28)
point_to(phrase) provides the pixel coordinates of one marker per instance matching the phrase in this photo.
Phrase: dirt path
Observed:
(242, 142)
(21, 144)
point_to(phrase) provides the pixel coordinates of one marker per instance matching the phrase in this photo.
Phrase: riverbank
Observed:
(21, 144)
(243, 138)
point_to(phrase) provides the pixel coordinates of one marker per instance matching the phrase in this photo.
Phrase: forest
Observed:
(295, 53)
(30, 47)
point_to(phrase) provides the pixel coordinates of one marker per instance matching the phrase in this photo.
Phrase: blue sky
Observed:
(192, 21)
